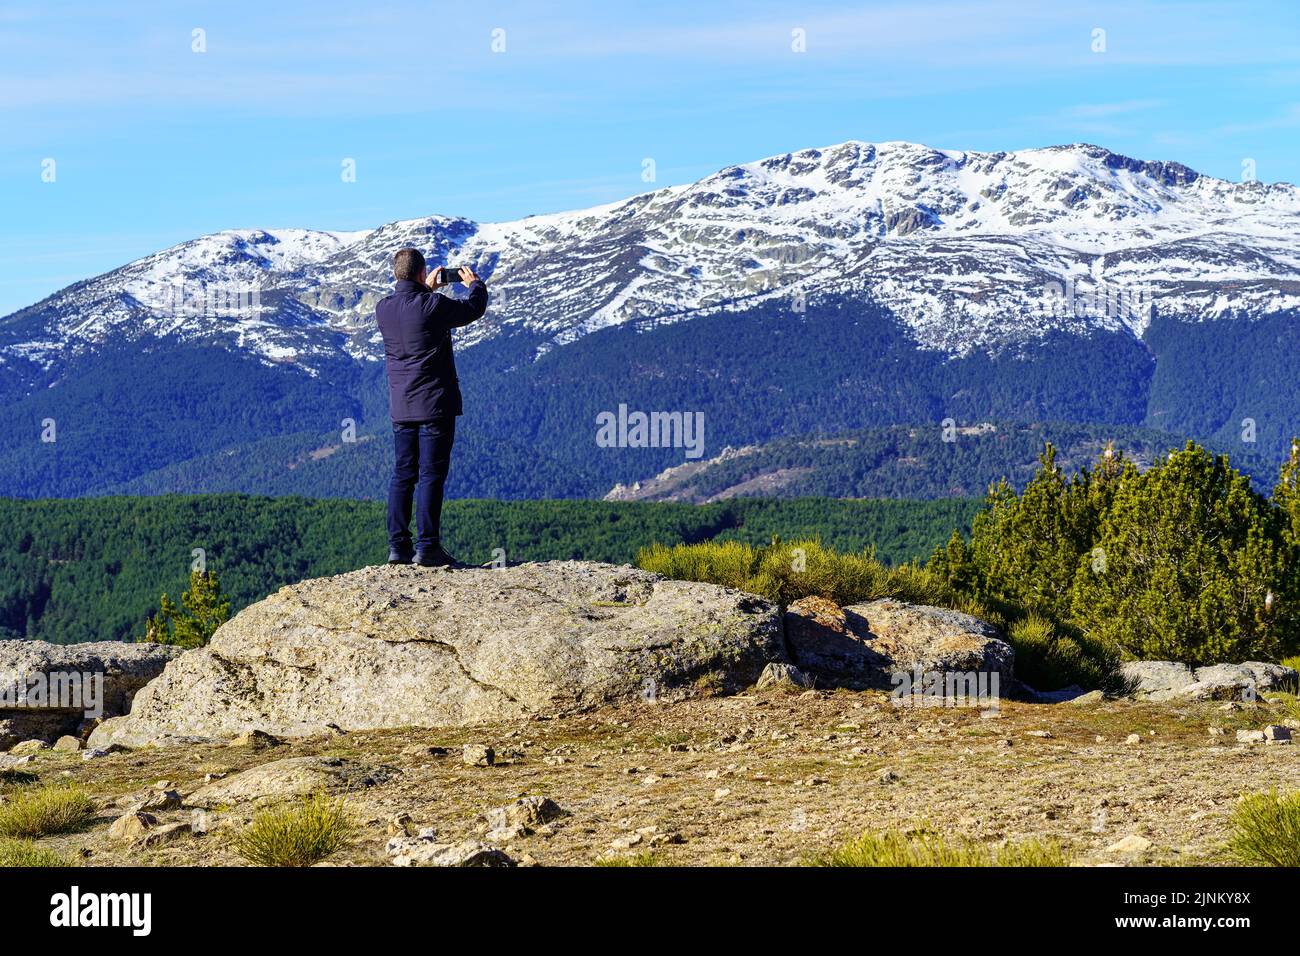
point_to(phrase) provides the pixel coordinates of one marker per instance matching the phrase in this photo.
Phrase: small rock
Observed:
(1250, 737)
(166, 833)
(1038, 733)
(255, 740)
(1130, 844)
(626, 842)
(401, 825)
(506, 834)
(68, 743)
(424, 851)
(160, 802)
(200, 822)
(887, 777)
(525, 813)
(1092, 697)
(1217, 731)
(555, 760)
(132, 826)
(28, 747)
(777, 674)
(721, 794)
(1133, 739)
(478, 755)
(1276, 732)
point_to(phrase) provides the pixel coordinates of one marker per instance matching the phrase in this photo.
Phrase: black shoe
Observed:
(400, 555)
(437, 558)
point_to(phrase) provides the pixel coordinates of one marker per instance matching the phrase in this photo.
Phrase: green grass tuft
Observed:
(43, 811)
(297, 834)
(640, 859)
(929, 849)
(27, 853)
(1266, 830)
(786, 571)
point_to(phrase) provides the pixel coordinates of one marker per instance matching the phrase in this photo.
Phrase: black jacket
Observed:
(416, 324)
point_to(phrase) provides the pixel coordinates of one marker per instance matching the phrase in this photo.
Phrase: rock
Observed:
(777, 674)
(1088, 699)
(1130, 844)
(525, 813)
(201, 822)
(478, 755)
(255, 740)
(405, 646)
(125, 668)
(28, 747)
(1065, 695)
(1045, 734)
(68, 743)
(166, 833)
(160, 801)
(1169, 680)
(862, 645)
(401, 825)
(132, 827)
(291, 777)
(1133, 739)
(1250, 737)
(424, 850)
(1277, 733)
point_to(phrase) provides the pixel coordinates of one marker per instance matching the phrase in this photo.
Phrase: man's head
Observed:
(409, 264)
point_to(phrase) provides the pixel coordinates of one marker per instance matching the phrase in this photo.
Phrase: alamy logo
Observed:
(74, 908)
(182, 299)
(918, 688)
(1101, 298)
(626, 429)
(54, 690)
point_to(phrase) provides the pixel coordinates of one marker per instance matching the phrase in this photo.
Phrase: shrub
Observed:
(204, 608)
(295, 835)
(1049, 657)
(27, 853)
(787, 571)
(1266, 830)
(640, 859)
(43, 811)
(1188, 554)
(929, 849)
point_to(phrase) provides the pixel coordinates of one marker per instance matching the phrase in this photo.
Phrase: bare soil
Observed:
(766, 778)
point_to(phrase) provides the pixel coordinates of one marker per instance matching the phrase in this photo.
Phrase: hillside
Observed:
(82, 570)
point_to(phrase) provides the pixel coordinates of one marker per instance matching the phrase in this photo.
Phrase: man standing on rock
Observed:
(424, 399)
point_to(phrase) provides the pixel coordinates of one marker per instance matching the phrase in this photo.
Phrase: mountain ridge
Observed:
(814, 292)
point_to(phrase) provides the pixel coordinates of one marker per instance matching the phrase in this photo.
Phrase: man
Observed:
(424, 400)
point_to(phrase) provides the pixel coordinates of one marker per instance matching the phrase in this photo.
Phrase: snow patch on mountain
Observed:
(971, 251)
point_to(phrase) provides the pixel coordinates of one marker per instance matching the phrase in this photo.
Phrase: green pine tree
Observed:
(203, 609)
(1183, 569)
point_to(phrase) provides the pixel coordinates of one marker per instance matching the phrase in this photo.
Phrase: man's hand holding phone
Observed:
(444, 276)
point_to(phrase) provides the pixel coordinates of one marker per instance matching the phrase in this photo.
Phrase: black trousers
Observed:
(422, 458)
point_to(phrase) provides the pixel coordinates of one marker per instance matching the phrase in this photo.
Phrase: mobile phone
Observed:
(447, 275)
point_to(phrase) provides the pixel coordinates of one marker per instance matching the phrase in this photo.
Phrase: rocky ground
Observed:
(762, 778)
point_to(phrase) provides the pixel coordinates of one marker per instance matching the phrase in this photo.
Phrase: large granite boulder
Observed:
(410, 646)
(1170, 680)
(863, 645)
(124, 669)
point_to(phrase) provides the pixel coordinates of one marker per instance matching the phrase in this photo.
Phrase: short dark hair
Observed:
(408, 263)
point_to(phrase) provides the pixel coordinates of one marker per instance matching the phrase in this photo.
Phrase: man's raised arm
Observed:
(461, 312)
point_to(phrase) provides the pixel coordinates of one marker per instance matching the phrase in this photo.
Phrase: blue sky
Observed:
(155, 143)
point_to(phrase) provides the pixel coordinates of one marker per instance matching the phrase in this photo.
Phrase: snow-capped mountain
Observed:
(969, 251)
(805, 296)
